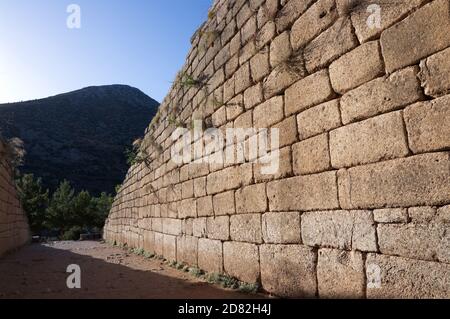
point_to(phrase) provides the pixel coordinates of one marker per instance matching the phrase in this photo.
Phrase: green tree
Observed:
(34, 200)
(101, 207)
(60, 210)
(82, 209)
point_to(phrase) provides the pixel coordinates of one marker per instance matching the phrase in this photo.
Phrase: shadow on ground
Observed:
(39, 271)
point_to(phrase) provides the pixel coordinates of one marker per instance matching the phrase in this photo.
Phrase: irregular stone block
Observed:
(224, 204)
(415, 181)
(246, 228)
(419, 241)
(340, 229)
(428, 125)
(434, 73)
(319, 119)
(308, 92)
(395, 277)
(218, 227)
(340, 274)
(373, 140)
(391, 215)
(210, 256)
(288, 270)
(381, 95)
(421, 34)
(304, 193)
(251, 199)
(330, 45)
(311, 155)
(241, 260)
(357, 67)
(315, 20)
(281, 228)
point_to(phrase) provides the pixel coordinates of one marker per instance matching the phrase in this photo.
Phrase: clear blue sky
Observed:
(142, 43)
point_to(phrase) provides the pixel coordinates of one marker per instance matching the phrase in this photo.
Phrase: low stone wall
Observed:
(14, 231)
(359, 206)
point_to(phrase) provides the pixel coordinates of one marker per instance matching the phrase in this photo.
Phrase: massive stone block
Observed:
(246, 228)
(340, 274)
(251, 199)
(419, 241)
(304, 193)
(340, 229)
(357, 67)
(421, 34)
(413, 181)
(406, 278)
(308, 92)
(381, 95)
(376, 139)
(241, 260)
(281, 228)
(428, 125)
(210, 257)
(288, 270)
(434, 73)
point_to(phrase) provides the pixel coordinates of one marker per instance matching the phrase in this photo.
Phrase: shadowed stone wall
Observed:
(360, 204)
(14, 231)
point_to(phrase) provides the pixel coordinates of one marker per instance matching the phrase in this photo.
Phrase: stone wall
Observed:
(360, 204)
(14, 231)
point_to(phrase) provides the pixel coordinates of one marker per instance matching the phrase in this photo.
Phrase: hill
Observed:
(81, 135)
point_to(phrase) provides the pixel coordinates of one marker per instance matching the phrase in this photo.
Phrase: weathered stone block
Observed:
(421, 34)
(406, 278)
(284, 76)
(170, 247)
(424, 214)
(280, 49)
(224, 204)
(210, 257)
(268, 113)
(319, 119)
(414, 181)
(218, 227)
(391, 215)
(199, 227)
(434, 73)
(281, 228)
(315, 20)
(311, 155)
(246, 228)
(381, 95)
(253, 96)
(443, 215)
(187, 208)
(391, 12)
(187, 250)
(241, 260)
(288, 270)
(340, 229)
(290, 12)
(375, 139)
(251, 199)
(419, 241)
(304, 193)
(172, 226)
(340, 274)
(205, 206)
(357, 67)
(428, 125)
(330, 45)
(242, 78)
(260, 66)
(308, 92)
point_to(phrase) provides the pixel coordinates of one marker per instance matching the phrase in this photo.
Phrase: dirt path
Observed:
(39, 271)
